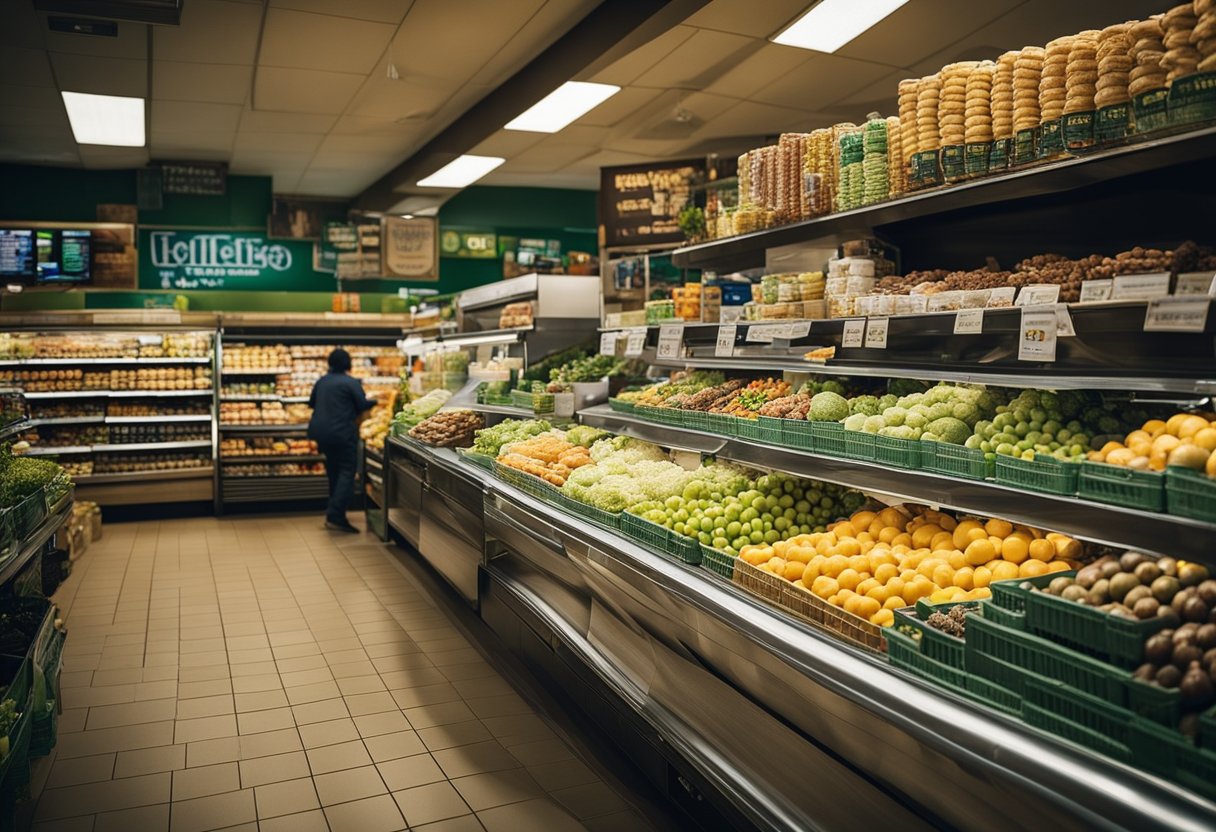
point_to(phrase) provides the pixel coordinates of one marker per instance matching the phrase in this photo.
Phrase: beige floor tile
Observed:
(391, 746)
(590, 800)
(208, 688)
(96, 697)
(320, 711)
(464, 823)
(270, 743)
(262, 770)
(497, 788)
(256, 683)
(407, 698)
(286, 798)
(149, 760)
(428, 716)
(92, 798)
(432, 802)
(126, 738)
(385, 722)
(205, 706)
(83, 823)
(627, 821)
(454, 734)
(295, 651)
(205, 728)
(145, 691)
(401, 661)
(338, 757)
(259, 722)
(209, 752)
(530, 814)
(73, 772)
(349, 784)
(375, 814)
(261, 700)
(215, 812)
(206, 780)
(258, 656)
(563, 774)
(143, 818)
(542, 751)
(407, 772)
(313, 821)
(359, 685)
(492, 706)
(477, 758)
(332, 732)
(313, 676)
(203, 674)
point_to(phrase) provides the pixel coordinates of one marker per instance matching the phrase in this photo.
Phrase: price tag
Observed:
(942, 301)
(1195, 283)
(671, 337)
(876, 333)
(151, 340)
(725, 347)
(764, 333)
(1038, 295)
(854, 332)
(1001, 296)
(608, 343)
(1064, 328)
(635, 343)
(801, 329)
(1176, 315)
(1095, 290)
(969, 322)
(1141, 286)
(1037, 334)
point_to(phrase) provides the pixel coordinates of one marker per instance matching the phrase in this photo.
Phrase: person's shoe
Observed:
(344, 526)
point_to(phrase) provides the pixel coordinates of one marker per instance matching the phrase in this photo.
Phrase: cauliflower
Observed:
(867, 405)
(915, 420)
(828, 407)
(873, 424)
(894, 416)
(855, 422)
(949, 429)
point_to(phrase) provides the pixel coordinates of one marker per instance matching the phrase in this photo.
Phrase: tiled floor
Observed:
(263, 674)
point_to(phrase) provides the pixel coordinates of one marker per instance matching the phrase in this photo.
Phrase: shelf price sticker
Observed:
(1141, 286)
(876, 333)
(671, 338)
(969, 322)
(1064, 327)
(854, 333)
(1039, 295)
(635, 343)
(1177, 314)
(1001, 296)
(1037, 333)
(1096, 290)
(608, 342)
(725, 347)
(765, 333)
(1196, 283)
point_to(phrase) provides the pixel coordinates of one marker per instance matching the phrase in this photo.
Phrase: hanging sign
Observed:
(409, 248)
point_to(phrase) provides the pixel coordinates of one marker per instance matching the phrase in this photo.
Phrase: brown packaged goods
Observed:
(449, 428)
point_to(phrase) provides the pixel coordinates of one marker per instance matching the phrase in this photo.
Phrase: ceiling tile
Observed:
(286, 181)
(263, 162)
(626, 70)
(211, 32)
(759, 20)
(317, 41)
(379, 142)
(270, 121)
(131, 42)
(96, 156)
(622, 105)
(32, 106)
(549, 155)
(180, 116)
(820, 81)
(751, 118)
(698, 61)
(281, 142)
(379, 161)
(355, 125)
(26, 67)
(549, 22)
(215, 83)
(757, 71)
(304, 90)
(186, 145)
(383, 11)
(416, 98)
(103, 76)
(20, 26)
(335, 182)
(916, 29)
(507, 143)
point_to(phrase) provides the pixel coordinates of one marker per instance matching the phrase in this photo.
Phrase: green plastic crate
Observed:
(994, 695)
(717, 562)
(686, 549)
(1010, 595)
(525, 482)
(956, 460)
(1190, 493)
(747, 428)
(661, 539)
(28, 514)
(906, 653)
(1207, 729)
(1044, 473)
(859, 445)
(480, 460)
(651, 413)
(1153, 702)
(829, 438)
(15, 767)
(901, 453)
(1088, 629)
(696, 419)
(770, 430)
(621, 406)
(1087, 720)
(1121, 486)
(797, 433)
(1167, 753)
(720, 423)
(934, 644)
(1012, 619)
(596, 515)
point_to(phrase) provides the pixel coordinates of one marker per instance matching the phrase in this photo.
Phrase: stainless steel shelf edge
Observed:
(51, 450)
(1112, 525)
(269, 458)
(126, 362)
(33, 544)
(69, 420)
(229, 427)
(156, 420)
(15, 428)
(144, 476)
(115, 394)
(152, 446)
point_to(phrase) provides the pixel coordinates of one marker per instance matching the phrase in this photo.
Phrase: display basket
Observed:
(935, 643)
(1190, 493)
(525, 482)
(995, 696)
(1121, 486)
(1165, 752)
(15, 765)
(906, 653)
(828, 437)
(747, 428)
(770, 430)
(797, 433)
(901, 453)
(762, 584)
(811, 607)
(596, 515)
(956, 460)
(1089, 629)
(28, 514)
(480, 460)
(621, 406)
(859, 445)
(718, 562)
(1045, 474)
(661, 539)
(1087, 720)
(720, 423)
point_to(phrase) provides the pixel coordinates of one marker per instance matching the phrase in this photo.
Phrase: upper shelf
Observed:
(115, 394)
(74, 362)
(745, 251)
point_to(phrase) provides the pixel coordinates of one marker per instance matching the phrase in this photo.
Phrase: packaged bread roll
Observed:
(1027, 76)
(1002, 97)
(1081, 77)
(1147, 51)
(1114, 65)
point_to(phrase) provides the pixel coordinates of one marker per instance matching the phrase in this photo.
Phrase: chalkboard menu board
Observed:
(194, 178)
(641, 204)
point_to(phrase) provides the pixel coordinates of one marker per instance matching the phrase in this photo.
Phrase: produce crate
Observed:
(1088, 629)
(1002, 615)
(58, 494)
(480, 460)
(718, 562)
(747, 428)
(8, 536)
(661, 539)
(596, 515)
(902, 453)
(1190, 493)
(994, 695)
(809, 606)
(769, 430)
(527, 483)
(1207, 729)
(1153, 702)
(28, 514)
(906, 653)
(956, 460)
(620, 405)
(1044, 473)
(1087, 720)
(1166, 752)
(859, 445)
(828, 438)
(720, 423)
(1043, 658)
(696, 419)
(1121, 486)
(15, 767)
(47, 654)
(763, 584)
(797, 433)
(1010, 595)
(934, 643)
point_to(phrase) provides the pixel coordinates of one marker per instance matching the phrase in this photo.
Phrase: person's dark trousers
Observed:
(340, 462)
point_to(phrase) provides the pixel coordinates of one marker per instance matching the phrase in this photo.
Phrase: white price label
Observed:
(1141, 286)
(671, 337)
(1037, 334)
(1176, 315)
(608, 343)
(854, 333)
(798, 330)
(764, 333)
(1096, 290)
(635, 343)
(1002, 296)
(1038, 295)
(876, 333)
(1064, 328)
(943, 301)
(969, 322)
(1195, 283)
(725, 347)
(151, 340)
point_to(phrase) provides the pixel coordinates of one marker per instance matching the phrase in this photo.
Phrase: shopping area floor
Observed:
(261, 673)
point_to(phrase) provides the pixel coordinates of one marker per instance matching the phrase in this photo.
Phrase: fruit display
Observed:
(23, 345)
(515, 315)
(266, 446)
(246, 358)
(63, 436)
(263, 413)
(278, 469)
(588, 369)
(127, 408)
(945, 413)
(21, 477)
(374, 429)
(150, 432)
(1186, 440)
(120, 463)
(1040, 422)
(747, 401)
(449, 428)
(291, 371)
(546, 456)
(490, 441)
(77, 467)
(421, 408)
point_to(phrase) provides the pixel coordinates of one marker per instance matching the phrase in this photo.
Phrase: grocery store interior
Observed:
(607, 415)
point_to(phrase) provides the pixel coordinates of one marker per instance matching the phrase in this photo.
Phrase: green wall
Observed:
(32, 193)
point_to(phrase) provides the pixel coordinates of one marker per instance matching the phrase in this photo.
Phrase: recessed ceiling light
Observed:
(461, 171)
(831, 24)
(568, 102)
(106, 119)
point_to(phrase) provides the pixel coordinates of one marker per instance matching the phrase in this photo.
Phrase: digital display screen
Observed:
(16, 252)
(64, 256)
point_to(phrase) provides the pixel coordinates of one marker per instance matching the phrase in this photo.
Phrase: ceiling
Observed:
(300, 89)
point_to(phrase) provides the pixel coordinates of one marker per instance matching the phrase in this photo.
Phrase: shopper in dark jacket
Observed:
(337, 402)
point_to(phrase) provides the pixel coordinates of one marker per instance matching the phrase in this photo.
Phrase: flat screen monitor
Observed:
(64, 256)
(16, 252)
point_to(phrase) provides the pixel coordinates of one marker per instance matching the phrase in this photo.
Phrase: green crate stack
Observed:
(696, 419)
(28, 514)
(47, 658)
(720, 423)
(901, 453)
(747, 428)
(797, 433)
(596, 515)
(770, 430)
(717, 562)
(1089, 721)
(859, 445)
(1110, 637)
(1121, 486)
(480, 460)
(903, 651)
(621, 406)
(1044, 473)
(956, 460)
(1167, 753)
(15, 766)
(1190, 493)
(829, 438)
(996, 696)
(934, 643)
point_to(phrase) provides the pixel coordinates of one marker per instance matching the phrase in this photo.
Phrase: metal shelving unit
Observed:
(270, 458)
(235, 428)
(109, 362)
(117, 394)
(33, 544)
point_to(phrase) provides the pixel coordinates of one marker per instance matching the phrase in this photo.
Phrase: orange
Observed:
(1005, 571)
(1058, 566)
(883, 618)
(834, 565)
(942, 540)
(859, 562)
(895, 602)
(1043, 550)
(998, 528)
(884, 573)
(863, 519)
(980, 552)
(982, 577)
(1032, 569)
(865, 586)
(793, 570)
(943, 575)
(1015, 549)
(866, 607)
(843, 529)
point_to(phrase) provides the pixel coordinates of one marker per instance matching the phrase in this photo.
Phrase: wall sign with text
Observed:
(410, 248)
(641, 204)
(200, 260)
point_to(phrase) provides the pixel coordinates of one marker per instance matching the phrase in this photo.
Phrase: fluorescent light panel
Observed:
(570, 101)
(461, 171)
(106, 119)
(831, 24)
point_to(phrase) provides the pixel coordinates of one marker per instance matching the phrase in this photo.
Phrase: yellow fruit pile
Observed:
(877, 562)
(545, 456)
(1186, 439)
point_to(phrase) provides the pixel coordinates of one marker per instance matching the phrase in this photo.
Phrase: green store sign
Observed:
(474, 244)
(227, 260)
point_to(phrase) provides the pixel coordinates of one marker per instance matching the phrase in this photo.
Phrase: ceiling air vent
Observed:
(164, 12)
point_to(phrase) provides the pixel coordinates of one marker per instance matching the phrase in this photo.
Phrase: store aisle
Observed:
(262, 674)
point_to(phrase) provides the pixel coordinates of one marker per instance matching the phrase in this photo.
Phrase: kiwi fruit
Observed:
(1121, 584)
(1145, 672)
(1136, 593)
(1207, 591)
(1196, 687)
(1205, 636)
(1073, 592)
(1164, 588)
(1058, 585)
(1146, 608)
(1110, 569)
(1168, 676)
(1147, 572)
(1184, 654)
(1194, 610)
(1128, 561)
(1167, 612)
